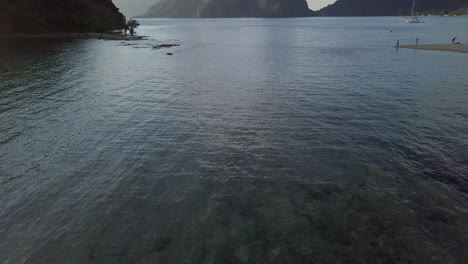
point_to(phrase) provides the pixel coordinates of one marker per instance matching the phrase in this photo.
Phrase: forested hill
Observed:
(41, 16)
(391, 7)
(229, 8)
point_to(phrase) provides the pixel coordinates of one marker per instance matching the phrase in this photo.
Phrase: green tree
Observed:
(132, 24)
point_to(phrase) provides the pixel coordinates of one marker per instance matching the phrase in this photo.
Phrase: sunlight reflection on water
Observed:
(259, 141)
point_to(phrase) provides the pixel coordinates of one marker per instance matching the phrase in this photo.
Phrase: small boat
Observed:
(413, 19)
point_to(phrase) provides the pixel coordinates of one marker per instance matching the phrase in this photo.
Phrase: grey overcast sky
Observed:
(134, 7)
(317, 4)
(137, 7)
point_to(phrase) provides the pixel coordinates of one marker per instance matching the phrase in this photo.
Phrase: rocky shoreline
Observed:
(102, 36)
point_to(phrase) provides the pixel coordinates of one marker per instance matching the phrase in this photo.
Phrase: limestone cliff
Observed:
(43, 16)
(229, 8)
(391, 7)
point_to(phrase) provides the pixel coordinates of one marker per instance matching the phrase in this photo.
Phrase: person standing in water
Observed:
(417, 41)
(453, 40)
(398, 44)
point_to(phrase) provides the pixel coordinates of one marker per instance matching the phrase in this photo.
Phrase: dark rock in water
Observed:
(230, 8)
(162, 46)
(170, 54)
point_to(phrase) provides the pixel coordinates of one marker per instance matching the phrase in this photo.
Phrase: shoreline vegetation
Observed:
(460, 48)
(89, 35)
(445, 13)
(46, 16)
(395, 8)
(78, 19)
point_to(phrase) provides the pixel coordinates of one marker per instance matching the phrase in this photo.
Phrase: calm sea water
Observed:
(259, 141)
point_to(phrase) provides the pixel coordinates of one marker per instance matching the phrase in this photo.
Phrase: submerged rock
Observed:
(162, 46)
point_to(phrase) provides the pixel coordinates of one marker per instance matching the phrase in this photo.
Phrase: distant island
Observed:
(299, 8)
(394, 8)
(229, 8)
(59, 16)
(102, 16)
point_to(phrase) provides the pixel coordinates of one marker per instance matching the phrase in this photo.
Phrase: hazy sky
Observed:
(317, 4)
(134, 7)
(138, 7)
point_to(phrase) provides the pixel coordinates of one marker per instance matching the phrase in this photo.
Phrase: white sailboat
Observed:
(413, 19)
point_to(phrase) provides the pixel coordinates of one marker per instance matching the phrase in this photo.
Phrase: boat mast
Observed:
(412, 10)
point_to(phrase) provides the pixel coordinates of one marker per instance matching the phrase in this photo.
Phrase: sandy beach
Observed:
(461, 48)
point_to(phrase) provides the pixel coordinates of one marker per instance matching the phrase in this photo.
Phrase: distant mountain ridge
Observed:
(229, 8)
(39, 16)
(390, 7)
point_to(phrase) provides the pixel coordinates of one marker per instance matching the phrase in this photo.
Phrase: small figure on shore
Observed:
(453, 41)
(398, 44)
(417, 41)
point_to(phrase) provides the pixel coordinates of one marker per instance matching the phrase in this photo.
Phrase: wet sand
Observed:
(461, 48)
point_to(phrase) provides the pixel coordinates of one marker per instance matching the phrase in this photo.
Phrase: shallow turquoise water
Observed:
(259, 141)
